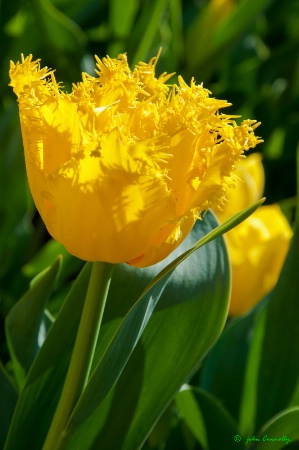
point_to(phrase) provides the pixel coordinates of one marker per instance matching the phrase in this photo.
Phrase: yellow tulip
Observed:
(258, 246)
(121, 167)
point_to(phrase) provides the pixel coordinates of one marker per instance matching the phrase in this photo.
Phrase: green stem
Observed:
(80, 364)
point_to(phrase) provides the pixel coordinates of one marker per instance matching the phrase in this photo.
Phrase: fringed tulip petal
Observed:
(121, 168)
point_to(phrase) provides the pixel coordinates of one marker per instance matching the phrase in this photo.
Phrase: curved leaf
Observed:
(208, 420)
(8, 400)
(190, 315)
(150, 18)
(215, 28)
(71, 265)
(44, 382)
(61, 33)
(280, 431)
(26, 323)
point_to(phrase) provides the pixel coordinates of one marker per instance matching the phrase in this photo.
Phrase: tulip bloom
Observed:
(121, 167)
(258, 246)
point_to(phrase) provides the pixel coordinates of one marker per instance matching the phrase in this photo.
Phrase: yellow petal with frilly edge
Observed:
(122, 166)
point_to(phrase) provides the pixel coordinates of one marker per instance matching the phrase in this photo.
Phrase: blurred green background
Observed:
(244, 51)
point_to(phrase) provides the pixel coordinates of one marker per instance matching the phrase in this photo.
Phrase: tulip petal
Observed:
(121, 167)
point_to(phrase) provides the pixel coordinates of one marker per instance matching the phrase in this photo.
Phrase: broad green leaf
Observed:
(281, 432)
(128, 283)
(43, 385)
(8, 400)
(26, 323)
(169, 351)
(173, 343)
(210, 423)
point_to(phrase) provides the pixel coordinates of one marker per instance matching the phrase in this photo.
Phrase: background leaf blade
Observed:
(39, 397)
(26, 323)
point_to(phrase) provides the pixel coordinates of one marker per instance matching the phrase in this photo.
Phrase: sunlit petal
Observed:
(121, 168)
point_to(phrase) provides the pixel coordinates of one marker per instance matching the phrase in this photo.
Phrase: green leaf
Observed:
(148, 25)
(214, 30)
(43, 385)
(173, 343)
(8, 400)
(278, 378)
(224, 368)
(48, 253)
(281, 432)
(210, 423)
(147, 374)
(61, 33)
(26, 324)
(122, 16)
(238, 21)
(15, 227)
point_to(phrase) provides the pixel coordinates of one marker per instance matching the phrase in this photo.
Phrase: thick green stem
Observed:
(80, 364)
